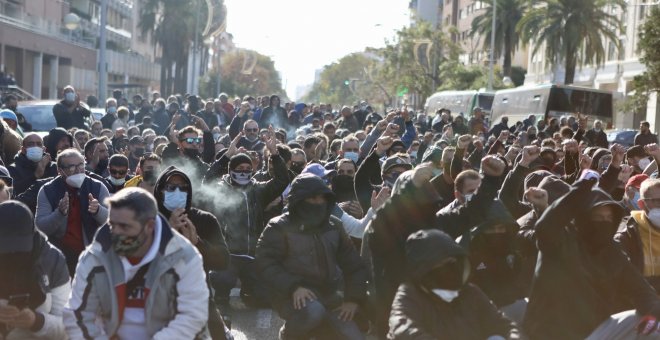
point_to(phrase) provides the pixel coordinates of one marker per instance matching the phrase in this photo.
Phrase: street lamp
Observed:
(71, 23)
(491, 65)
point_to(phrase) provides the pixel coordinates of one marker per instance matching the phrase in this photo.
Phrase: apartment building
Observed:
(44, 55)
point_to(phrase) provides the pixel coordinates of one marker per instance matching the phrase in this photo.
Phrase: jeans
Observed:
(239, 267)
(299, 323)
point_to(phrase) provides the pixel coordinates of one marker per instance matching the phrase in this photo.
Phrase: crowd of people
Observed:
(346, 221)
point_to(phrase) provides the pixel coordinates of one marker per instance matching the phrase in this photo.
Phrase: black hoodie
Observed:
(290, 256)
(211, 243)
(418, 313)
(576, 286)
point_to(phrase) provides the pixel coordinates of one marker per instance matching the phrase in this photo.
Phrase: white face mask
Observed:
(117, 181)
(34, 153)
(654, 216)
(468, 197)
(175, 199)
(446, 295)
(643, 163)
(76, 180)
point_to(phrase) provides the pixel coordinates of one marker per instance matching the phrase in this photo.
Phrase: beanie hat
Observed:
(239, 159)
(17, 233)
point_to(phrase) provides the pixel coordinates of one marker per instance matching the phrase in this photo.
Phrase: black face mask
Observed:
(103, 164)
(139, 152)
(191, 153)
(342, 186)
(297, 168)
(310, 214)
(149, 176)
(448, 276)
(597, 234)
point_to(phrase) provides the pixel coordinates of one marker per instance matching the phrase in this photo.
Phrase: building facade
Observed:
(44, 56)
(616, 74)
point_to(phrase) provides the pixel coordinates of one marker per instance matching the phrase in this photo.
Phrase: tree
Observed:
(572, 31)
(509, 13)
(263, 79)
(172, 25)
(402, 69)
(649, 45)
(473, 77)
(347, 81)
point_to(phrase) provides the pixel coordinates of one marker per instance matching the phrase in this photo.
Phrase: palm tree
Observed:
(171, 23)
(509, 13)
(573, 31)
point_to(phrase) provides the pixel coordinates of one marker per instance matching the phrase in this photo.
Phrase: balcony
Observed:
(133, 65)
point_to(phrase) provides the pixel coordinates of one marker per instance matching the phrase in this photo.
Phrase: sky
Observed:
(302, 36)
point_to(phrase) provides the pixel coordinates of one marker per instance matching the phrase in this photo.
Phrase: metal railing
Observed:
(16, 90)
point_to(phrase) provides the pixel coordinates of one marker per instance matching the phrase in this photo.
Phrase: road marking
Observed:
(263, 318)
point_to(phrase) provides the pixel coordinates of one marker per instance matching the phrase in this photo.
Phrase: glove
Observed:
(648, 325)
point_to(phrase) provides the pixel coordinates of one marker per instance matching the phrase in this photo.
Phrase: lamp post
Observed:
(103, 70)
(491, 64)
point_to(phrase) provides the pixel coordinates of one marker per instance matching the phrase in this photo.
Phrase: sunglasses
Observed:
(192, 140)
(173, 187)
(117, 172)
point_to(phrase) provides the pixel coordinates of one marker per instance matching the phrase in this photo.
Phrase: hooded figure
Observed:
(582, 278)
(32, 267)
(211, 243)
(308, 248)
(436, 302)
(496, 264)
(601, 160)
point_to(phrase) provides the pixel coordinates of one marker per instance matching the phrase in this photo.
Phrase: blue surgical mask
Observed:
(175, 199)
(112, 109)
(69, 96)
(634, 200)
(354, 156)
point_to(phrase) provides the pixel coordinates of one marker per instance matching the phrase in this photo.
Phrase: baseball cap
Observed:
(318, 170)
(395, 160)
(636, 181)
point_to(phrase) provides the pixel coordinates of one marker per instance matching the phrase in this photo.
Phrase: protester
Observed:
(299, 255)
(35, 280)
(70, 112)
(31, 164)
(436, 302)
(644, 136)
(119, 174)
(70, 207)
(134, 272)
(149, 170)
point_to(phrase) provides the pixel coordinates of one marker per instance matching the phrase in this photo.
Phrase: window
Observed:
(460, 14)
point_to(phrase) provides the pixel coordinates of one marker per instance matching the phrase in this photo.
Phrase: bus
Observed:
(459, 102)
(549, 101)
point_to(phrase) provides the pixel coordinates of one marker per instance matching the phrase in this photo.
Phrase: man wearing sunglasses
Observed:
(70, 208)
(189, 154)
(250, 138)
(118, 169)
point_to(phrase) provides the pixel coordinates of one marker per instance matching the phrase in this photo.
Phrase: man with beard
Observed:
(97, 156)
(148, 169)
(250, 133)
(139, 279)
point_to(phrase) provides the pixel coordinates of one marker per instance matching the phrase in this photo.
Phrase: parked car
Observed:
(625, 137)
(39, 113)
